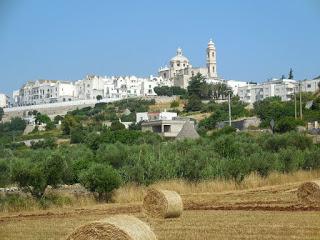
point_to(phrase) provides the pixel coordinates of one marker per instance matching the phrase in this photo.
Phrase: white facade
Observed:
(3, 100)
(115, 88)
(235, 85)
(44, 91)
(310, 85)
(145, 116)
(283, 88)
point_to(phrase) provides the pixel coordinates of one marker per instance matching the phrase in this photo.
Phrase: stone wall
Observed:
(54, 109)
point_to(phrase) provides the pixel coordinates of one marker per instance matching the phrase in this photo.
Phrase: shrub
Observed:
(57, 119)
(51, 199)
(174, 104)
(116, 125)
(101, 179)
(77, 135)
(4, 172)
(46, 143)
(50, 126)
(287, 124)
(237, 169)
(68, 123)
(34, 177)
(15, 202)
(112, 154)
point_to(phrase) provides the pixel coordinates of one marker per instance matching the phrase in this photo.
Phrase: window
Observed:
(164, 75)
(212, 54)
(178, 64)
(309, 86)
(213, 69)
(167, 128)
(149, 86)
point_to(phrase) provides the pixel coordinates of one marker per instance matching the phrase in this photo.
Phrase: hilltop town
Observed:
(179, 73)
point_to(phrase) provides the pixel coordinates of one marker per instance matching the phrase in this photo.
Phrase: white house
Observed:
(3, 100)
(310, 85)
(283, 88)
(44, 91)
(145, 116)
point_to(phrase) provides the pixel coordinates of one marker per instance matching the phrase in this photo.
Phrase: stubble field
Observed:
(271, 212)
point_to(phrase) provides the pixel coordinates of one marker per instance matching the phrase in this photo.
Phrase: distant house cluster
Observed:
(178, 73)
(283, 88)
(55, 91)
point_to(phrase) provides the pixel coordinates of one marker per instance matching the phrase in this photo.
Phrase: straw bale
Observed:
(162, 203)
(309, 192)
(120, 227)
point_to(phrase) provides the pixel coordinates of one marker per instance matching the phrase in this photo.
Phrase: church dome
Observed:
(179, 57)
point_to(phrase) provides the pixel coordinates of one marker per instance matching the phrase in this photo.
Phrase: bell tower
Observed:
(211, 60)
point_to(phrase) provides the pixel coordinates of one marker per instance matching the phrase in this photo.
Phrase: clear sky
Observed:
(68, 39)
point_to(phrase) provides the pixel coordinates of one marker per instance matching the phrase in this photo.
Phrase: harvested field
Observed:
(262, 213)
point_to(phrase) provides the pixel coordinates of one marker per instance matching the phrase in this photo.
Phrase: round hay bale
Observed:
(121, 227)
(309, 192)
(162, 203)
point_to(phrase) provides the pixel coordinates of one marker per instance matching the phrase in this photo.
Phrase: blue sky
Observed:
(67, 40)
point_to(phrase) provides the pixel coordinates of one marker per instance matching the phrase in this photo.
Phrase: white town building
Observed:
(310, 85)
(44, 91)
(3, 100)
(283, 88)
(89, 88)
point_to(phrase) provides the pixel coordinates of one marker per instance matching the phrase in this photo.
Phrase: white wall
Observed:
(3, 100)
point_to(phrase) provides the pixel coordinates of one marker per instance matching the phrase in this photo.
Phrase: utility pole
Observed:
(229, 100)
(295, 102)
(300, 101)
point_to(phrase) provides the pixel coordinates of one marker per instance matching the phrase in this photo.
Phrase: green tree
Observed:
(220, 90)
(135, 126)
(68, 123)
(57, 119)
(50, 126)
(78, 134)
(101, 179)
(1, 113)
(116, 125)
(4, 172)
(272, 108)
(42, 118)
(17, 124)
(99, 97)
(290, 75)
(194, 104)
(287, 124)
(34, 177)
(196, 85)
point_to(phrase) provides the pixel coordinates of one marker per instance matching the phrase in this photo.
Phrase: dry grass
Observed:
(158, 107)
(193, 225)
(133, 193)
(257, 209)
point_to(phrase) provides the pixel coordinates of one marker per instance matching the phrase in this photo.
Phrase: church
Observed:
(180, 69)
